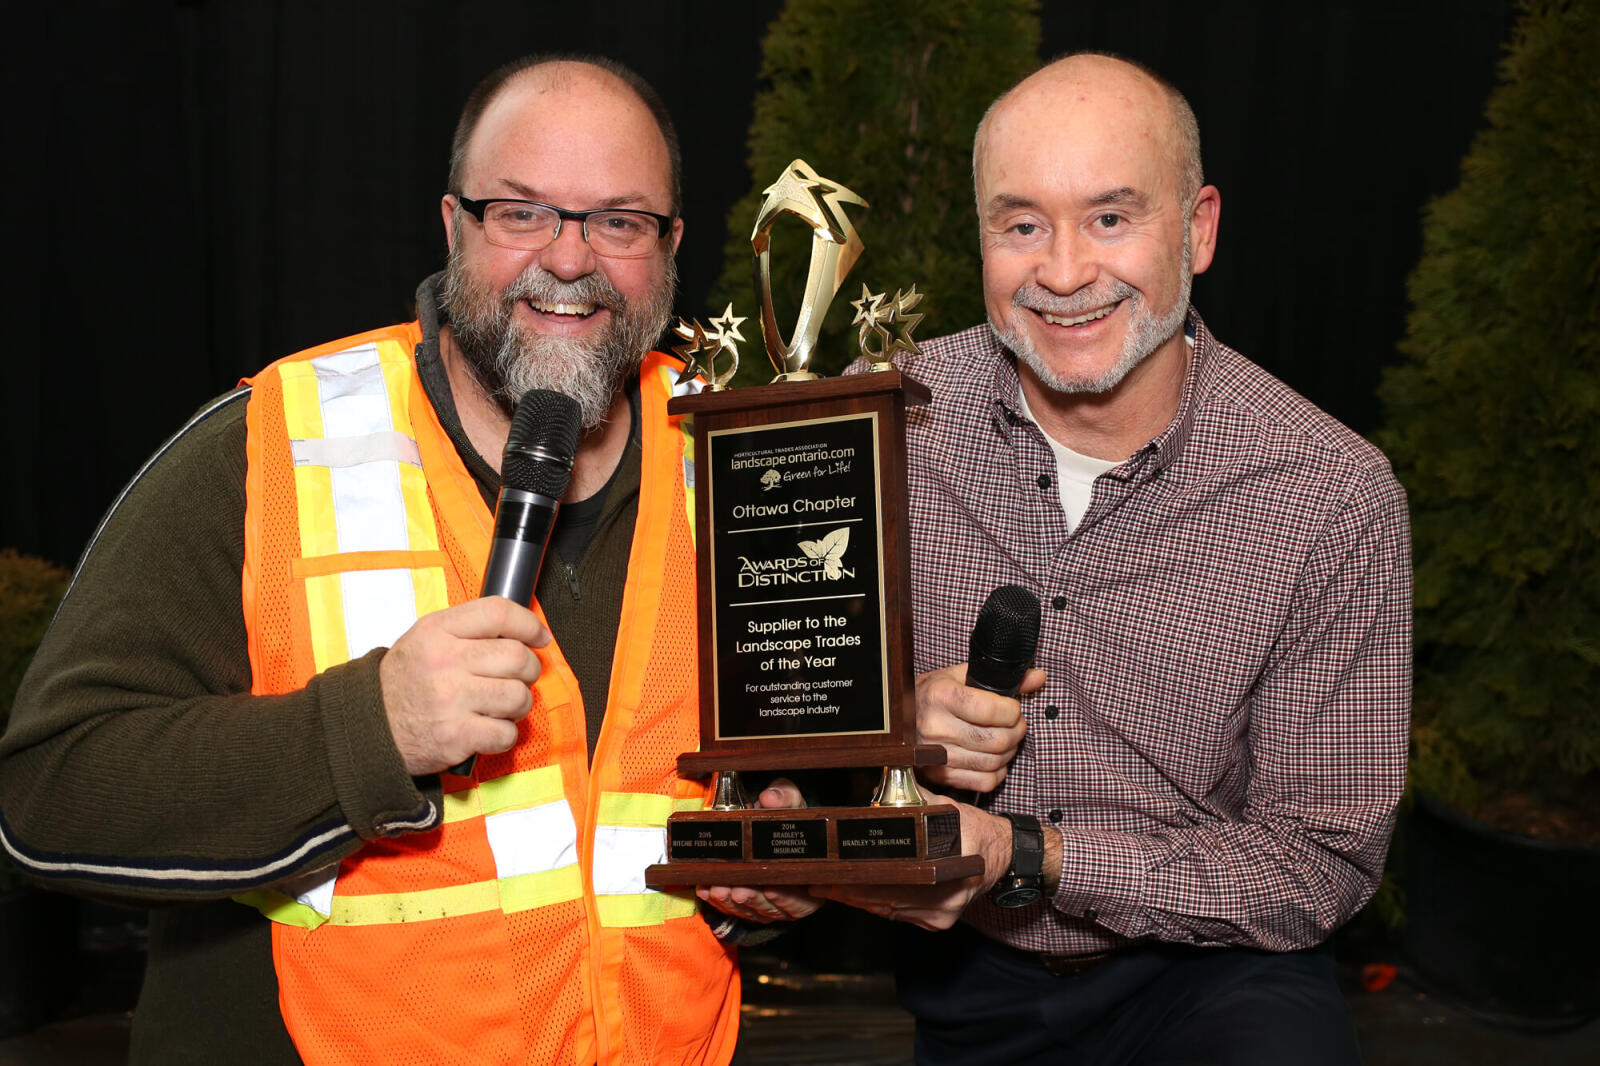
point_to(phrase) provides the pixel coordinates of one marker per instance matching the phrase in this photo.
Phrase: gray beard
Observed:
(507, 359)
(1147, 329)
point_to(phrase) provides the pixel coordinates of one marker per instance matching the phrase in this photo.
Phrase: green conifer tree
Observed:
(1493, 425)
(883, 98)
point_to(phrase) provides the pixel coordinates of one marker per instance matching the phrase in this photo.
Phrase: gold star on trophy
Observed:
(875, 318)
(711, 343)
(904, 321)
(871, 316)
(693, 332)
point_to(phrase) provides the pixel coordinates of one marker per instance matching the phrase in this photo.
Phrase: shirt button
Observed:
(1059, 603)
(1055, 815)
(1052, 711)
(1044, 481)
(1091, 915)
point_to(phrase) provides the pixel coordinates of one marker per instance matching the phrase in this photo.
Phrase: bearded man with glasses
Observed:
(274, 646)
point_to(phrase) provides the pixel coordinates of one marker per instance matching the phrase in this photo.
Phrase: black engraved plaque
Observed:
(797, 579)
(687, 841)
(800, 838)
(878, 838)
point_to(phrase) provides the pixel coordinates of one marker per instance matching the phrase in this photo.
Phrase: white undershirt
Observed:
(1075, 472)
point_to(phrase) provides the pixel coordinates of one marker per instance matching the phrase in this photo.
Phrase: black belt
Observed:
(1055, 964)
(1071, 965)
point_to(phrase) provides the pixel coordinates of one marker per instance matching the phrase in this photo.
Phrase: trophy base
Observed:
(931, 872)
(815, 845)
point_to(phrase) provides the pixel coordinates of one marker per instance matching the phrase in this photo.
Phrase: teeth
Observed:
(1057, 320)
(562, 309)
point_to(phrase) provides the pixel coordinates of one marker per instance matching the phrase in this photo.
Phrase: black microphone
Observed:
(534, 471)
(1001, 648)
(1003, 640)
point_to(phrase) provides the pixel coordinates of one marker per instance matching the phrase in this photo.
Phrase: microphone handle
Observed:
(998, 676)
(522, 524)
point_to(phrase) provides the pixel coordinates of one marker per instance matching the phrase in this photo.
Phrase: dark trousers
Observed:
(979, 1003)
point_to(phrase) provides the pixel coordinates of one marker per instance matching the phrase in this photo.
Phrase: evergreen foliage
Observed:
(884, 99)
(1493, 425)
(30, 588)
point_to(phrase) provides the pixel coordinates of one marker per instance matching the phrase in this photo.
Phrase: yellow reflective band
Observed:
(634, 808)
(433, 593)
(425, 906)
(420, 530)
(325, 612)
(527, 891)
(530, 788)
(313, 490)
(459, 806)
(689, 803)
(648, 908)
(281, 908)
(513, 894)
(395, 363)
(302, 403)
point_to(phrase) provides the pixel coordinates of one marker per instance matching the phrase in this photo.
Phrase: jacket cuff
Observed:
(375, 793)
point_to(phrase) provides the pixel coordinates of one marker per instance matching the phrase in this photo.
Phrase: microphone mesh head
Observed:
(1008, 626)
(542, 444)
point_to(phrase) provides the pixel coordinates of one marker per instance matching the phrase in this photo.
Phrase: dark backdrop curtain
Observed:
(198, 187)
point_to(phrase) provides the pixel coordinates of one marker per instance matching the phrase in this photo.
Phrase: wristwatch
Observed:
(1023, 883)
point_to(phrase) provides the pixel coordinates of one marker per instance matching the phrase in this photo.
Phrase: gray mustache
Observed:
(1036, 298)
(536, 283)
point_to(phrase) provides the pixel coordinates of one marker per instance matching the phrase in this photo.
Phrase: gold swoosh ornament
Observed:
(835, 247)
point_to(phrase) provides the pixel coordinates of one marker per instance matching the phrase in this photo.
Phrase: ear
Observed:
(448, 206)
(1203, 228)
(677, 234)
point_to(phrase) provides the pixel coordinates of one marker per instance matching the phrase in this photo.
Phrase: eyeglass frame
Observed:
(476, 209)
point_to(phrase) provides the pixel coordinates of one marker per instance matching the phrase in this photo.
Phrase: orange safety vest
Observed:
(519, 930)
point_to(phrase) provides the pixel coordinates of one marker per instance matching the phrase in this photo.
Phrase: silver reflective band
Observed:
(354, 451)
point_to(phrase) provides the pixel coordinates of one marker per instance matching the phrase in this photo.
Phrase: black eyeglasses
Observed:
(528, 226)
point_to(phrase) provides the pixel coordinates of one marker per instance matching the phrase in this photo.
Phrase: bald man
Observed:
(274, 647)
(1198, 784)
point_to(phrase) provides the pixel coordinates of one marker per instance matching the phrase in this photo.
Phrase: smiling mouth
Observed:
(1063, 320)
(572, 310)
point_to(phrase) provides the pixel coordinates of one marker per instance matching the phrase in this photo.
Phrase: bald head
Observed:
(563, 73)
(1126, 91)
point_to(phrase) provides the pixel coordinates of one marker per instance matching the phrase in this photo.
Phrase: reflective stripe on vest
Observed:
(364, 512)
(631, 835)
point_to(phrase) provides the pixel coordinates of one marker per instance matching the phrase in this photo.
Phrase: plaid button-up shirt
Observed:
(1222, 739)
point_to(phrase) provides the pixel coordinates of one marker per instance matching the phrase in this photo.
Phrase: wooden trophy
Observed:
(804, 590)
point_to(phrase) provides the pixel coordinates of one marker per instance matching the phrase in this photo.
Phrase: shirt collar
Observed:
(1198, 379)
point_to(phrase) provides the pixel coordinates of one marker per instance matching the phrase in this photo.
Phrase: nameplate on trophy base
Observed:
(817, 845)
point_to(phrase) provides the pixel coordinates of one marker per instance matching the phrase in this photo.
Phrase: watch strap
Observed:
(1027, 847)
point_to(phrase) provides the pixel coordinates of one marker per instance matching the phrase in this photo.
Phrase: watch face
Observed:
(1017, 895)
